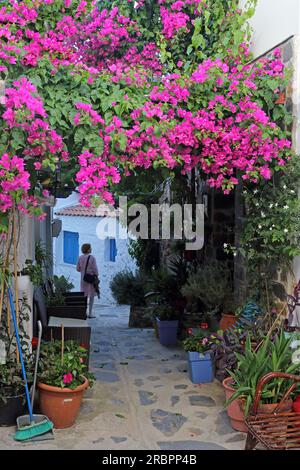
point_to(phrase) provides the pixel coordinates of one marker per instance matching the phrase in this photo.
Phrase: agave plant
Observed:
(271, 356)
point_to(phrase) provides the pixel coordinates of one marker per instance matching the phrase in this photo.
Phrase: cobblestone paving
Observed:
(143, 398)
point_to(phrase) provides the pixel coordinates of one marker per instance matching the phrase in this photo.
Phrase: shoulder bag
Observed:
(89, 278)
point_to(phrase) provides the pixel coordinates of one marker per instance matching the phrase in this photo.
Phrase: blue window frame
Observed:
(71, 247)
(112, 249)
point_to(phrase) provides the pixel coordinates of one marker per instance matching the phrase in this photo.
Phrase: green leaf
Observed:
(80, 135)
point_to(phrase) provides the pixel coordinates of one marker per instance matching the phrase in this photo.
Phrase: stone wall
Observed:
(281, 280)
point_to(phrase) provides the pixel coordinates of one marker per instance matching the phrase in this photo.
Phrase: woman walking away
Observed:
(88, 269)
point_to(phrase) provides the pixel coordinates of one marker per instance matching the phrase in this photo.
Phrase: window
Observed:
(110, 249)
(71, 247)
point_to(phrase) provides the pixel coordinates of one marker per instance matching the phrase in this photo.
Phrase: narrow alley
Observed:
(142, 398)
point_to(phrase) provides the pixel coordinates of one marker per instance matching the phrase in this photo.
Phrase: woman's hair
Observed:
(86, 248)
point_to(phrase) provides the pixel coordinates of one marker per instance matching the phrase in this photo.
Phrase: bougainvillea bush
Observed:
(101, 89)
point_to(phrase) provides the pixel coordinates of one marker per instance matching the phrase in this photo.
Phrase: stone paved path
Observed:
(143, 398)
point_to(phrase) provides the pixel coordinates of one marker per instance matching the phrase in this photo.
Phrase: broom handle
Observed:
(36, 362)
(13, 314)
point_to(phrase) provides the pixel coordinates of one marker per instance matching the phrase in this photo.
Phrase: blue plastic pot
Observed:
(167, 332)
(200, 367)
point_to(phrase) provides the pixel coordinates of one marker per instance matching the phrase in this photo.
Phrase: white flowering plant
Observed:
(272, 224)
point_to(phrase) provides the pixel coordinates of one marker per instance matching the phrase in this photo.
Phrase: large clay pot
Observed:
(227, 321)
(234, 410)
(61, 405)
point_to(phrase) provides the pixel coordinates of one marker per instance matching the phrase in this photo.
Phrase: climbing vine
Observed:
(127, 85)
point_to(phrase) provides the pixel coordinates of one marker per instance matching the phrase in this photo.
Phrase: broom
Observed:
(33, 429)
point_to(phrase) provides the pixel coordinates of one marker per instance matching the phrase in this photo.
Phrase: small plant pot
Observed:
(281, 98)
(234, 410)
(11, 410)
(167, 332)
(200, 367)
(227, 321)
(61, 405)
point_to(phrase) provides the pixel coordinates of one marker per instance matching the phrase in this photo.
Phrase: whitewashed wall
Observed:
(274, 21)
(86, 227)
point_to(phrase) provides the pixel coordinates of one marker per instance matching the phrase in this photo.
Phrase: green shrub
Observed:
(128, 288)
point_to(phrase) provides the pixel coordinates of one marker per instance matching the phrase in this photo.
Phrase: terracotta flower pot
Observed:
(61, 405)
(281, 98)
(234, 410)
(227, 320)
(270, 407)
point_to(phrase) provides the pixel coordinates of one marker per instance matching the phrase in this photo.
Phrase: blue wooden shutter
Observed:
(71, 247)
(112, 250)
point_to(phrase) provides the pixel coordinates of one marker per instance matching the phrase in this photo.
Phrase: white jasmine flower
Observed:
(284, 186)
(225, 245)
(263, 214)
(292, 191)
(255, 191)
(271, 205)
(285, 207)
(271, 228)
(285, 230)
(260, 226)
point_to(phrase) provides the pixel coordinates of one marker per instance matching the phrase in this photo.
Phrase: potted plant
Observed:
(198, 347)
(164, 293)
(273, 355)
(61, 287)
(205, 290)
(230, 313)
(167, 324)
(129, 288)
(59, 305)
(12, 392)
(35, 269)
(62, 380)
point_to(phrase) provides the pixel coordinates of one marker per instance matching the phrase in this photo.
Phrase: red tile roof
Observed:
(82, 211)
